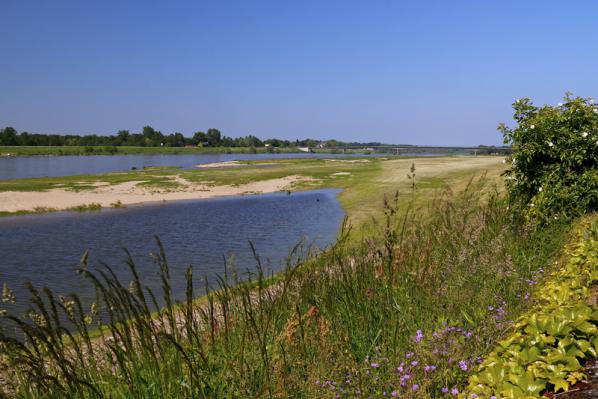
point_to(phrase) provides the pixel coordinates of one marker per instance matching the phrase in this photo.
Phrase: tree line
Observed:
(150, 137)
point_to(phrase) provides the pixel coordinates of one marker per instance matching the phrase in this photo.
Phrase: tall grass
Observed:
(405, 312)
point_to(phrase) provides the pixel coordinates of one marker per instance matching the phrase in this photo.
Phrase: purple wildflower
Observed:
(409, 355)
(414, 363)
(463, 365)
(394, 394)
(444, 390)
(375, 365)
(419, 335)
(454, 392)
(414, 387)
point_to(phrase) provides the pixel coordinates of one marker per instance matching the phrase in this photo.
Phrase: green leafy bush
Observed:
(553, 171)
(550, 342)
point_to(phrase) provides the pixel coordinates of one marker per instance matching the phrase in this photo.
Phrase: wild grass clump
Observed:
(92, 207)
(406, 312)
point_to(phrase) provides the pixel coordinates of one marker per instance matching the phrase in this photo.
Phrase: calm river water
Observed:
(46, 249)
(41, 166)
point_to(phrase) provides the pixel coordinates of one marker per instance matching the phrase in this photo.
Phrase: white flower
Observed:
(596, 110)
(550, 144)
(540, 190)
(504, 161)
(560, 104)
(532, 205)
(532, 126)
(517, 101)
(591, 101)
(584, 134)
(555, 218)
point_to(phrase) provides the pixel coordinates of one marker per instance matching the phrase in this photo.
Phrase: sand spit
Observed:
(224, 164)
(233, 164)
(132, 193)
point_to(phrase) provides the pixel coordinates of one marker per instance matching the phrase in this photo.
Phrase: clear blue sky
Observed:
(420, 72)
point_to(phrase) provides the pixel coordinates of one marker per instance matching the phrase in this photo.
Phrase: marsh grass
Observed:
(91, 207)
(405, 312)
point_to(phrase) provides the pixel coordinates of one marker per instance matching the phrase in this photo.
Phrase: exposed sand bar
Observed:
(233, 164)
(131, 193)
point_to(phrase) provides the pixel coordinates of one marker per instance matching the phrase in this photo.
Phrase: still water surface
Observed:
(46, 249)
(41, 166)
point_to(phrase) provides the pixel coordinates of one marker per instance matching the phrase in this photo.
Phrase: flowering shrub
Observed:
(554, 164)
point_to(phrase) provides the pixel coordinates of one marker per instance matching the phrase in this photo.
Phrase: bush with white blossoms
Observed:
(554, 163)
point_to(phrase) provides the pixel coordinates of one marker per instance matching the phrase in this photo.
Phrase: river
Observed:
(45, 249)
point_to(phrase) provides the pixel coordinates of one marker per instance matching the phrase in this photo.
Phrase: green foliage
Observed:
(554, 165)
(549, 343)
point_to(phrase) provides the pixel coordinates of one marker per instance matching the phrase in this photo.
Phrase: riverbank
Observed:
(362, 179)
(104, 195)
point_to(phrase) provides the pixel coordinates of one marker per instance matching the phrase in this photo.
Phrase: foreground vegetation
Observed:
(413, 297)
(549, 343)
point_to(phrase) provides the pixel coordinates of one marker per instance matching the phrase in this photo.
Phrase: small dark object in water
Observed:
(288, 192)
(317, 200)
(134, 168)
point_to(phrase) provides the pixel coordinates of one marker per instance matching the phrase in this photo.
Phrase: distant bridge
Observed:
(402, 149)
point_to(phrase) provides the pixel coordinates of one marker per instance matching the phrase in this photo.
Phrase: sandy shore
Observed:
(130, 193)
(233, 164)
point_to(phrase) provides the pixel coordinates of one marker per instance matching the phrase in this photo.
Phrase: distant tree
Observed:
(213, 137)
(199, 138)
(152, 137)
(175, 140)
(24, 139)
(8, 136)
(122, 137)
(227, 142)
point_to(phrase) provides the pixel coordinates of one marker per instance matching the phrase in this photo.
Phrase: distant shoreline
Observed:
(11, 151)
